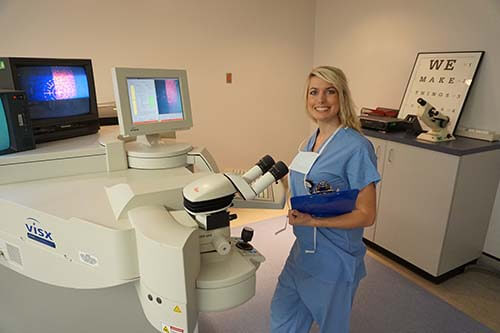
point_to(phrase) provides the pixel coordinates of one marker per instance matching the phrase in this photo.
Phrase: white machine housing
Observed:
(76, 207)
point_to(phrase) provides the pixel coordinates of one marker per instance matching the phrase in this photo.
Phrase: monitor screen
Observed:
(4, 129)
(55, 91)
(154, 100)
(151, 101)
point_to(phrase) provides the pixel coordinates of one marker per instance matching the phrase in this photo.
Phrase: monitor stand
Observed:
(151, 151)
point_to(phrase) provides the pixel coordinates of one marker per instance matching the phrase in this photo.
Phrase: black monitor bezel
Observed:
(60, 121)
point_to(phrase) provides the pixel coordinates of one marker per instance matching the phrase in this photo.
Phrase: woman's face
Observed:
(322, 101)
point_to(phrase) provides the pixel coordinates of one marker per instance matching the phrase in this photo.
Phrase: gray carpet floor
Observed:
(385, 301)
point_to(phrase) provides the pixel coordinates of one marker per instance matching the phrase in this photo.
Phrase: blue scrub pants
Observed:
(301, 298)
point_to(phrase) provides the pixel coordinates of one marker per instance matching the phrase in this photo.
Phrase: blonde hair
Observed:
(335, 76)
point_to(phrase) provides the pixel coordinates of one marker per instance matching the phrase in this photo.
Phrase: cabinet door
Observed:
(379, 146)
(415, 202)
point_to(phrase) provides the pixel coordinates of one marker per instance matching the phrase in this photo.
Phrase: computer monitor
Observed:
(60, 93)
(151, 103)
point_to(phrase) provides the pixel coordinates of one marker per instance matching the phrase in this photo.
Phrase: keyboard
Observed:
(273, 197)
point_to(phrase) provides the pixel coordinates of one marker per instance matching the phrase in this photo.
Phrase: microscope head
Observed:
(208, 194)
(432, 117)
(208, 198)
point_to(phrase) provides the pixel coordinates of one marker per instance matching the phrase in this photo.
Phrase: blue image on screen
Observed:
(168, 96)
(4, 129)
(55, 91)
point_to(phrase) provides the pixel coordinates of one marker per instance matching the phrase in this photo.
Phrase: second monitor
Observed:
(152, 102)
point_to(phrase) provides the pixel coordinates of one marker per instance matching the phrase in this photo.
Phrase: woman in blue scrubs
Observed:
(326, 261)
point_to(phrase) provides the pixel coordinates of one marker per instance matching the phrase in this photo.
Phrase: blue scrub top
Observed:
(347, 162)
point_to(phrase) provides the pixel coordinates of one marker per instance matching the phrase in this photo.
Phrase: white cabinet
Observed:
(433, 208)
(415, 203)
(379, 146)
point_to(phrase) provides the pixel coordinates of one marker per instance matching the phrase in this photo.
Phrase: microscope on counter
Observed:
(437, 122)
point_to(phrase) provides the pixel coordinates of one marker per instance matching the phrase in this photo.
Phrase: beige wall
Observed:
(267, 45)
(376, 42)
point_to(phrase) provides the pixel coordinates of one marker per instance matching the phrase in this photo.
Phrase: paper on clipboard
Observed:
(326, 204)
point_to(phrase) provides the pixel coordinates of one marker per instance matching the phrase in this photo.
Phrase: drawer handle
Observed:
(389, 158)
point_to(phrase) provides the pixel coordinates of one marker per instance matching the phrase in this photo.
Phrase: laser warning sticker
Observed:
(177, 309)
(171, 329)
(174, 329)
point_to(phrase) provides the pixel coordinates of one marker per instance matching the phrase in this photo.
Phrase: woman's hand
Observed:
(297, 218)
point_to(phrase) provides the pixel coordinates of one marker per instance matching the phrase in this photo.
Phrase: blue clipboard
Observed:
(326, 204)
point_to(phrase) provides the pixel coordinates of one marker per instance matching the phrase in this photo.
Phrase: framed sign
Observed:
(443, 79)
